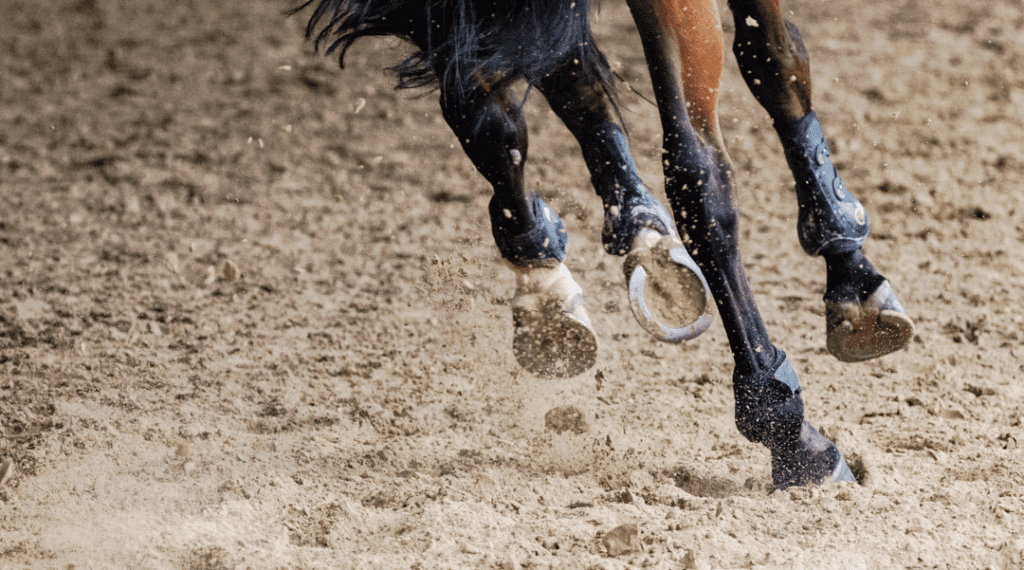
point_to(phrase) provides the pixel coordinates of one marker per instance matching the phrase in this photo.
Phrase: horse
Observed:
(472, 51)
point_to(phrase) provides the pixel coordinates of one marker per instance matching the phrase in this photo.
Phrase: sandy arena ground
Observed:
(251, 315)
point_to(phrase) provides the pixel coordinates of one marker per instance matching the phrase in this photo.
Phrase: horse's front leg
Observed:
(863, 317)
(552, 335)
(680, 40)
(668, 294)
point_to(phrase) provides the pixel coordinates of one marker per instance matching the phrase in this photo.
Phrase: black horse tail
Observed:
(466, 47)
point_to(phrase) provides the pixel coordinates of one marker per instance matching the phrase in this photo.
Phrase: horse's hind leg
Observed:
(668, 294)
(586, 110)
(552, 335)
(769, 406)
(863, 317)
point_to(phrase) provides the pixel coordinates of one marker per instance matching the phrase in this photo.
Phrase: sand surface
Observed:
(251, 315)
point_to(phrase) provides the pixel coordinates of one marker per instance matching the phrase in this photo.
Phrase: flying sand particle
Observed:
(211, 275)
(6, 470)
(172, 262)
(230, 271)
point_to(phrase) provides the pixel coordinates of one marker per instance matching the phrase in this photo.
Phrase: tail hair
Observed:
(464, 46)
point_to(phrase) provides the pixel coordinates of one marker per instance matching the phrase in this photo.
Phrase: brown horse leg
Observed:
(769, 407)
(864, 318)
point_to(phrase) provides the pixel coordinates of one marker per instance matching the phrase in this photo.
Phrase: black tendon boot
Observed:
(864, 319)
(770, 411)
(831, 219)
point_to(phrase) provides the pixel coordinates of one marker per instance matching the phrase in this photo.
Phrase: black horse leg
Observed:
(667, 292)
(769, 407)
(552, 335)
(492, 132)
(864, 318)
(585, 108)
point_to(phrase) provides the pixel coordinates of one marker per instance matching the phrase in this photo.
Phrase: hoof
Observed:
(552, 335)
(872, 328)
(815, 461)
(667, 291)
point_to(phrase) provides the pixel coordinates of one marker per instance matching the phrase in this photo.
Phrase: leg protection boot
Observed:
(629, 207)
(831, 219)
(546, 241)
(770, 411)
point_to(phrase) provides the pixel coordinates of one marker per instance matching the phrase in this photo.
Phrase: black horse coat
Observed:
(468, 46)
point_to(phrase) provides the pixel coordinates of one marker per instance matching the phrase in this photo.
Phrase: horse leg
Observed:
(668, 293)
(552, 335)
(683, 44)
(864, 319)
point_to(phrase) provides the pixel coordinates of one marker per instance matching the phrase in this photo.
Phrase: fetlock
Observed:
(851, 278)
(633, 211)
(629, 206)
(544, 242)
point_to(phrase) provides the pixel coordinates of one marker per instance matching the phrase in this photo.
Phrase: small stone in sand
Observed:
(692, 561)
(6, 470)
(230, 271)
(622, 539)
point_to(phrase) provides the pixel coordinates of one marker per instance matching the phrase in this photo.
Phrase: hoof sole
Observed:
(667, 292)
(876, 327)
(552, 342)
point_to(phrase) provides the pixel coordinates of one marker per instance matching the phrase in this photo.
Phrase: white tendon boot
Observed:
(552, 336)
(667, 291)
